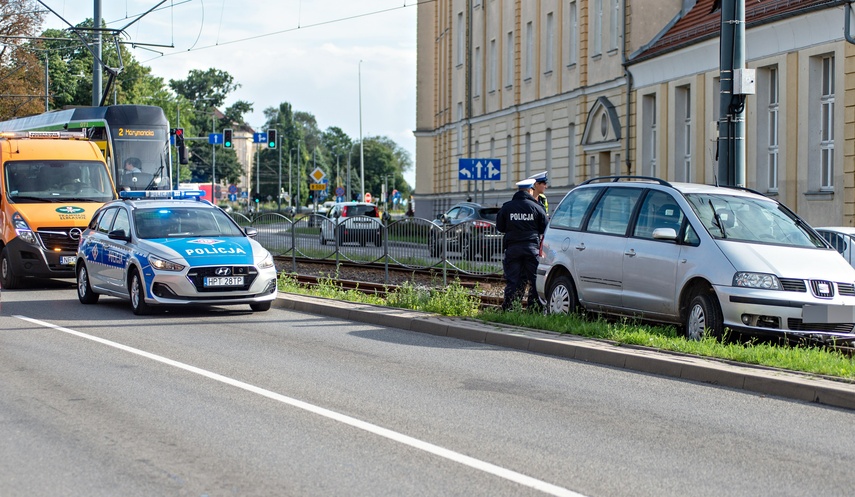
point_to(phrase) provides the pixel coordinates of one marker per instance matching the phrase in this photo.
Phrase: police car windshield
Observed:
(183, 222)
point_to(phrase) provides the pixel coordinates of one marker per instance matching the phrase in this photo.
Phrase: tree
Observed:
(22, 85)
(70, 66)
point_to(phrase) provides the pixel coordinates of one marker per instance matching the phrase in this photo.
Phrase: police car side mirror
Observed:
(250, 231)
(118, 235)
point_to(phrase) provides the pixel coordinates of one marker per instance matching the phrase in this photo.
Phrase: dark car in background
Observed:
(469, 228)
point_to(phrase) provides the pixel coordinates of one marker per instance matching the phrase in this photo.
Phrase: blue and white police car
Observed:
(172, 248)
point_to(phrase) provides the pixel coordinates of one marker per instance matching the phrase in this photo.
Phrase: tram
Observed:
(135, 140)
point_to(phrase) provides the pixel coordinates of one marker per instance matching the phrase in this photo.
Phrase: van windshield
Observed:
(57, 181)
(733, 217)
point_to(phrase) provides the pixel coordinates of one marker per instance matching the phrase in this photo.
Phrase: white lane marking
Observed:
(451, 455)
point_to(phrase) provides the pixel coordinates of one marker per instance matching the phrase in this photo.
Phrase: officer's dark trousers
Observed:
(520, 266)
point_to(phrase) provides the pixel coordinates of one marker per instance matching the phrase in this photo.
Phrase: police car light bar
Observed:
(73, 135)
(163, 194)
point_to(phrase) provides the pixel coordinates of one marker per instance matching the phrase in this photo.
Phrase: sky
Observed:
(305, 52)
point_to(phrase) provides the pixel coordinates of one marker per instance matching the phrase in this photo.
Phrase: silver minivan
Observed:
(704, 258)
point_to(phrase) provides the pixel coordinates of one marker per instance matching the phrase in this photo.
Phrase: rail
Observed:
(470, 247)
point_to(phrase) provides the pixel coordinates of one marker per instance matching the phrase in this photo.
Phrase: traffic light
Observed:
(179, 144)
(271, 138)
(227, 138)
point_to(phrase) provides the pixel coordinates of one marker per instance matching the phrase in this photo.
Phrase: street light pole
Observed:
(279, 190)
(361, 148)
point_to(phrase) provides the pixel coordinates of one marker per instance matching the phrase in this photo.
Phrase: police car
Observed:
(170, 248)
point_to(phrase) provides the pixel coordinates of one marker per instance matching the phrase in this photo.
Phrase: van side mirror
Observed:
(250, 231)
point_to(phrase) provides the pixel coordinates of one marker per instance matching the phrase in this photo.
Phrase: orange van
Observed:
(50, 185)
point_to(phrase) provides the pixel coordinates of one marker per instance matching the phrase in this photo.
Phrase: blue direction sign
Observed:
(259, 138)
(479, 169)
(215, 138)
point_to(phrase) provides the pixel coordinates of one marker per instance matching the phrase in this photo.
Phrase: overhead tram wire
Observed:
(289, 30)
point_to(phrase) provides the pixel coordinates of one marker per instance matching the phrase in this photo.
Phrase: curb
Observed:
(759, 380)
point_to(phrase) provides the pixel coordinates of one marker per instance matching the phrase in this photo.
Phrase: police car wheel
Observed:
(261, 306)
(138, 295)
(84, 290)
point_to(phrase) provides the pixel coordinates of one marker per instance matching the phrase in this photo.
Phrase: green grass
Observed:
(456, 300)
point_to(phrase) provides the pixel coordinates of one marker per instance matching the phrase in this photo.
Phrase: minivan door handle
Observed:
(630, 252)
(580, 247)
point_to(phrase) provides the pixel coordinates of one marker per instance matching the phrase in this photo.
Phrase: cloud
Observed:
(305, 52)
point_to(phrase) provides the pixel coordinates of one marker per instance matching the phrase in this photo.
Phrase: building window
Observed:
(649, 135)
(548, 153)
(509, 59)
(494, 63)
(509, 155)
(550, 41)
(459, 128)
(573, 37)
(614, 25)
(461, 35)
(597, 28)
(826, 124)
(527, 155)
(476, 77)
(529, 49)
(571, 152)
(772, 112)
(683, 125)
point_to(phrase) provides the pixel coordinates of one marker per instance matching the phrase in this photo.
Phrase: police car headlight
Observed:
(757, 280)
(163, 264)
(267, 262)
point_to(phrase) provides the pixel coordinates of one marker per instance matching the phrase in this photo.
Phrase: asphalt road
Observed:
(96, 401)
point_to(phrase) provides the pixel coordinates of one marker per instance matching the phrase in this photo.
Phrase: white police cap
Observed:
(526, 183)
(540, 177)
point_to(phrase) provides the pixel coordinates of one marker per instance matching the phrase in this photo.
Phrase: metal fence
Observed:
(470, 247)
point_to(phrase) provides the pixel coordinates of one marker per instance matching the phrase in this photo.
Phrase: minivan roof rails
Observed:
(626, 177)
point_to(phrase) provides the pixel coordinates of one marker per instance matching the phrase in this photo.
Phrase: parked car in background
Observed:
(841, 238)
(352, 222)
(702, 257)
(469, 228)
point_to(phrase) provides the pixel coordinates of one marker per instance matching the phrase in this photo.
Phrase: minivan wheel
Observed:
(561, 297)
(704, 317)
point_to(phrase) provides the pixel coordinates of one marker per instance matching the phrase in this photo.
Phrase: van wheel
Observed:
(704, 317)
(261, 306)
(84, 290)
(561, 296)
(7, 274)
(138, 295)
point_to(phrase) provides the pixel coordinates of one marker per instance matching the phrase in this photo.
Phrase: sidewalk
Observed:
(755, 379)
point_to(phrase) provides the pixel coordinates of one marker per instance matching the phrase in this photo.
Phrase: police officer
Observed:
(540, 184)
(523, 221)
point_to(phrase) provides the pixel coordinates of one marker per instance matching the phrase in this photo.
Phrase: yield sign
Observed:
(318, 175)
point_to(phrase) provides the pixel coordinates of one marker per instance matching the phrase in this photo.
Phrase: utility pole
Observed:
(96, 62)
(731, 134)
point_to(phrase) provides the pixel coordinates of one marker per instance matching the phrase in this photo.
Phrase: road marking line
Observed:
(451, 455)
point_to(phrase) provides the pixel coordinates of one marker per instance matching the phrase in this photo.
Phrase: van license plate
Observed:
(67, 260)
(224, 281)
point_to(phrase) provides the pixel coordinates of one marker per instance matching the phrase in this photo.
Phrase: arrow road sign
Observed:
(259, 137)
(479, 169)
(215, 138)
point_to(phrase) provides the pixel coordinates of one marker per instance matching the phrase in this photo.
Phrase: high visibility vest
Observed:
(542, 199)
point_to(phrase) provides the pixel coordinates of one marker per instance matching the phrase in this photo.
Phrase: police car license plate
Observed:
(224, 281)
(67, 260)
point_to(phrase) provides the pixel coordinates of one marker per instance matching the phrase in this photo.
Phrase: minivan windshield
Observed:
(747, 219)
(39, 181)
